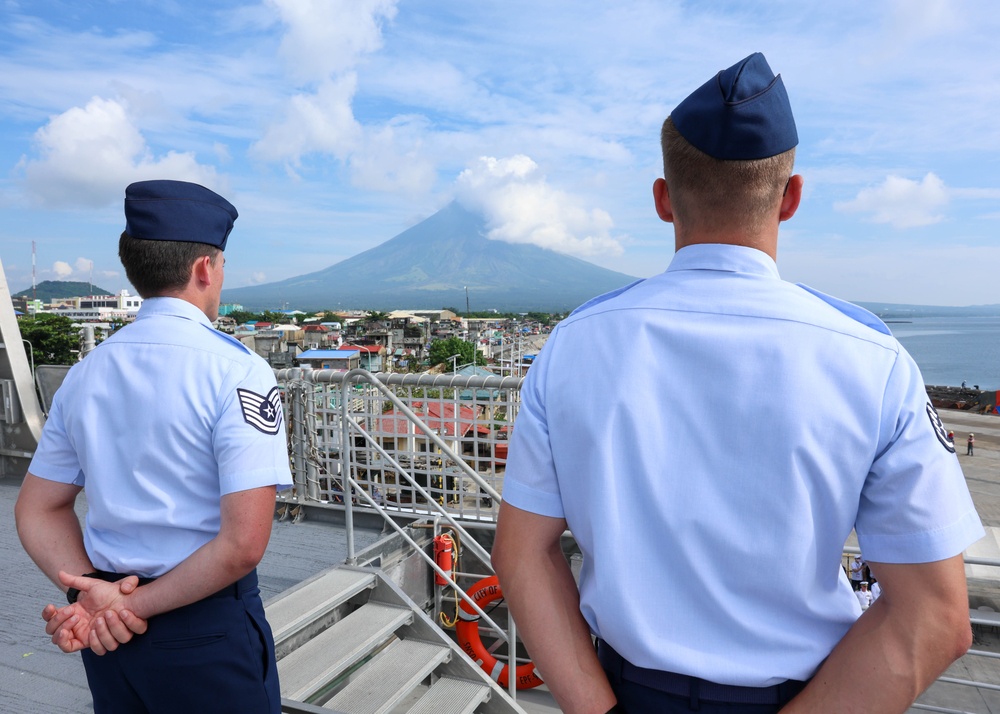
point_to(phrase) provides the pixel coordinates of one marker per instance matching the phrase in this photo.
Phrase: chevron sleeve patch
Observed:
(263, 413)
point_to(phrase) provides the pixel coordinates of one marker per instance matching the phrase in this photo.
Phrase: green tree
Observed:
(272, 316)
(377, 316)
(542, 317)
(242, 316)
(54, 339)
(441, 350)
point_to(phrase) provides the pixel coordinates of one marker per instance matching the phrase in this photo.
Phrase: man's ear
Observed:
(661, 198)
(201, 270)
(793, 195)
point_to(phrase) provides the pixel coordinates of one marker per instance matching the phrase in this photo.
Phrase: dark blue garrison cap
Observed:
(741, 113)
(178, 210)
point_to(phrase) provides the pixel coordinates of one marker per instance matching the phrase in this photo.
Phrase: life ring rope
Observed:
(483, 593)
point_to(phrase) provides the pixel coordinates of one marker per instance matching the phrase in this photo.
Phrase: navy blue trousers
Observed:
(642, 691)
(215, 655)
(637, 699)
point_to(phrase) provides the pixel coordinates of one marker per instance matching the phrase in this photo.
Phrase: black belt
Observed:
(236, 590)
(686, 686)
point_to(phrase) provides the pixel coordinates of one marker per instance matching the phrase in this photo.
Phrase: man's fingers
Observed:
(117, 630)
(134, 623)
(129, 584)
(96, 643)
(64, 618)
(65, 641)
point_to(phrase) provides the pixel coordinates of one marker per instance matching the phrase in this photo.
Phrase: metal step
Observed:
(312, 601)
(308, 669)
(449, 695)
(389, 677)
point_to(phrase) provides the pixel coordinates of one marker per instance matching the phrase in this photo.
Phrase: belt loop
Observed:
(694, 692)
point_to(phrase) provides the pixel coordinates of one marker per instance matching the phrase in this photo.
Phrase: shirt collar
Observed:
(724, 257)
(174, 307)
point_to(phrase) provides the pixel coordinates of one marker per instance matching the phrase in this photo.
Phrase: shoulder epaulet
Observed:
(232, 340)
(607, 296)
(855, 312)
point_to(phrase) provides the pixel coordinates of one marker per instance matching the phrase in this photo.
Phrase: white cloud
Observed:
(87, 155)
(521, 207)
(323, 43)
(392, 160)
(321, 122)
(901, 202)
(81, 269)
(326, 37)
(62, 269)
(257, 278)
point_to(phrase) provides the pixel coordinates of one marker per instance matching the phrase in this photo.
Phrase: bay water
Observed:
(950, 350)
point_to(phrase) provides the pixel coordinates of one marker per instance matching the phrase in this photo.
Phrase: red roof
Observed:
(366, 348)
(437, 415)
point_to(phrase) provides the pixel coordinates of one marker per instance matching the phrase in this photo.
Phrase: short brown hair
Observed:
(159, 267)
(709, 193)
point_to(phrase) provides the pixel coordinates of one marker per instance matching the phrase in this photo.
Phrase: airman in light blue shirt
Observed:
(176, 432)
(711, 436)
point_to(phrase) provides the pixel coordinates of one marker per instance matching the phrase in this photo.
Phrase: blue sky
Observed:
(333, 125)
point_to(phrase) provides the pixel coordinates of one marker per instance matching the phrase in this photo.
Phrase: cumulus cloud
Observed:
(901, 202)
(257, 278)
(81, 269)
(87, 155)
(326, 37)
(391, 160)
(322, 121)
(521, 207)
(323, 42)
(62, 269)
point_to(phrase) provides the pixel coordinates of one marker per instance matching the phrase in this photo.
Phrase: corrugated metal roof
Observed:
(329, 354)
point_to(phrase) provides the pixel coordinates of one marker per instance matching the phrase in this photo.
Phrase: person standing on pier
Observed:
(175, 430)
(970, 445)
(827, 427)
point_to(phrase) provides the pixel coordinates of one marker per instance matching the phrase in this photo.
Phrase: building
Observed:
(342, 360)
(121, 307)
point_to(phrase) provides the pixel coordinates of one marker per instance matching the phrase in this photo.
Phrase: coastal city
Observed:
(375, 340)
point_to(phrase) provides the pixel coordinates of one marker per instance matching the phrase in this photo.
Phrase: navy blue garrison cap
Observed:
(741, 113)
(178, 210)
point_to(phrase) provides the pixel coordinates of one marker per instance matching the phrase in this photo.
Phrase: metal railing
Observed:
(425, 445)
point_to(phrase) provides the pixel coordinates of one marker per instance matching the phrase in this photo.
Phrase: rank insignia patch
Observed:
(939, 430)
(262, 413)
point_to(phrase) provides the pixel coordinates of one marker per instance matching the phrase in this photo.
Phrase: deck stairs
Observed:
(350, 640)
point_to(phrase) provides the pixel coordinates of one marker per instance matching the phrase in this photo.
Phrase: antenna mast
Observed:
(33, 286)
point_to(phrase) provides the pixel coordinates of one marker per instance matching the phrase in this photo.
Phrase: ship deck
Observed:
(36, 677)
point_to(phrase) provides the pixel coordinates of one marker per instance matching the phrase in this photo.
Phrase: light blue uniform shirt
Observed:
(712, 435)
(159, 422)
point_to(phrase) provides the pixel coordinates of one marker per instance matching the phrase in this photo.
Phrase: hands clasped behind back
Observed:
(100, 618)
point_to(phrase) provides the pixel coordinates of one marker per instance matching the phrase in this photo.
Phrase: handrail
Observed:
(351, 487)
(427, 559)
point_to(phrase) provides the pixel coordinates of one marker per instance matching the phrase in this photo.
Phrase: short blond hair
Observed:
(712, 194)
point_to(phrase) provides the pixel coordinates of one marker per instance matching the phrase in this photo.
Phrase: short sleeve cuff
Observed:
(923, 547)
(533, 500)
(246, 480)
(51, 472)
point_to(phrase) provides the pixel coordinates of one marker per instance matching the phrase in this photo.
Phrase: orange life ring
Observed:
(483, 593)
